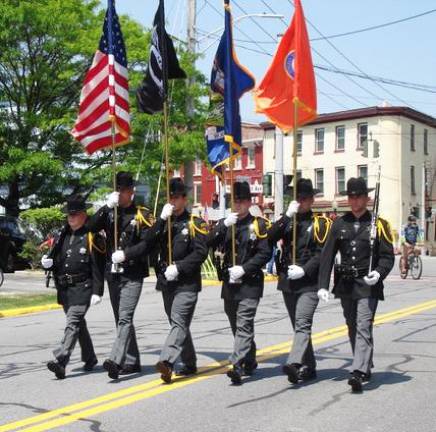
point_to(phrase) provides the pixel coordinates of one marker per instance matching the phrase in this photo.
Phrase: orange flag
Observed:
(290, 78)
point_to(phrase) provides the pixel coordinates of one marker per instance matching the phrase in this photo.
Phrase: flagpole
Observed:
(114, 182)
(167, 175)
(232, 203)
(294, 182)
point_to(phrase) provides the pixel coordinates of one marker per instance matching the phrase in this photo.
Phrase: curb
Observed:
(28, 310)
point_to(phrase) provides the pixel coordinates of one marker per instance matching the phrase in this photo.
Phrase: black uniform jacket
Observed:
(189, 251)
(134, 237)
(78, 265)
(311, 234)
(354, 248)
(253, 251)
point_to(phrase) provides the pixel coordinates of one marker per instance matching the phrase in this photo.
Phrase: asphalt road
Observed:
(401, 396)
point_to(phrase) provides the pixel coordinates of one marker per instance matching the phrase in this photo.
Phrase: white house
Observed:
(331, 150)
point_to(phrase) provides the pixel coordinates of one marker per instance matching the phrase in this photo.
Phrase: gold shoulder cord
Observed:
(193, 228)
(91, 245)
(317, 228)
(141, 219)
(257, 228)
(382, 231)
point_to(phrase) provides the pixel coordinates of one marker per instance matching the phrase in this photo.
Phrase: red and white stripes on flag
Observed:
(104, 100)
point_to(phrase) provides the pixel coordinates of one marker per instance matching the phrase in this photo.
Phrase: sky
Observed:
(404, 51)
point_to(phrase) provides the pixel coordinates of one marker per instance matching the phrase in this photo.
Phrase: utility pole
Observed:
(191, 36)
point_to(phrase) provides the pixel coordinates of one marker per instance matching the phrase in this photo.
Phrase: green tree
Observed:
(47, 47)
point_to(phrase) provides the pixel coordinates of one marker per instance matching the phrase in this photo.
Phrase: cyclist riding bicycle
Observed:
(409, 238)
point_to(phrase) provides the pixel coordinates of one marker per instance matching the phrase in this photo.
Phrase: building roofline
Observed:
(367, 112)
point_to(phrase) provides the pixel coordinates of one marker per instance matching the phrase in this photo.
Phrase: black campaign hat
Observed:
(124, 180)
(76, 203)
(241, 191)
(356, 186)
(177, 187)
(305, 188)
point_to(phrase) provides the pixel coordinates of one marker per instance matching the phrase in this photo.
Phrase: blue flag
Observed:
(229, 81)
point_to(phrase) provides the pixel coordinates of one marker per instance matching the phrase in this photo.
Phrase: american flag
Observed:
(104, 100)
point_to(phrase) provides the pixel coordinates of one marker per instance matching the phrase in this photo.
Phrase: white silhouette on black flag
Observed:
(162, 66)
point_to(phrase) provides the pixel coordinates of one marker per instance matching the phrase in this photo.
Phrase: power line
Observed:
(404, 84)
(375, 27)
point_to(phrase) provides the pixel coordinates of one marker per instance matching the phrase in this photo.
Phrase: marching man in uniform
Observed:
(180, 279)
(243, 282)
(126, 269)
(299, 282)
(359, 287)
(77, 261)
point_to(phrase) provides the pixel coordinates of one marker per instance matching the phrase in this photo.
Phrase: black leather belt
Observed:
(350, 271)
(70, 280)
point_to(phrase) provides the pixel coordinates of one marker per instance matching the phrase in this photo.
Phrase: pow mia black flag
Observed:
(162, 66)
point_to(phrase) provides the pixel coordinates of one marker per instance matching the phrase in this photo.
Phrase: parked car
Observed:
(12, 239)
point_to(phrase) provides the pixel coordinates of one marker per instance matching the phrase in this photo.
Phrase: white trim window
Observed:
(319, 179)
(362, 135)
(251, 157)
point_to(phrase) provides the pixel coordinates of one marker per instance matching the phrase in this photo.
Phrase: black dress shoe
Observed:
(113, 370)
(292, 371)
(165, 369)
(186, 371)
(89, 365)
(235, 374)
(356, 381)
(57, 369)
(130, 369)
(307, 374)
(250, 367)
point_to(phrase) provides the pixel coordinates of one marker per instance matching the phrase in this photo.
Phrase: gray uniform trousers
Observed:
(241, 315)
(359, 315)
(301, 308)
(75, 329)
(124, 294)
(179, 307)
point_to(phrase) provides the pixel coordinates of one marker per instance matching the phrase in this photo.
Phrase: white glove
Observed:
(323, 294)
(235, 273)
(171, 273)
(292, 209)
(372, 278)
(231, 219)
(46, 262)
(295, 272)
(167, 211)
(95, 299)
(118, 257)
(112, 199)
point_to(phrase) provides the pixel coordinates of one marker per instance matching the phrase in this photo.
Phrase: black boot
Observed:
(235, 374)
(90, 364)
(57, 369)
(292, 371)
(250, 367)
(165, 369)
(113, 370)
(307, 374)
(356, 381)
(130, 369)
(187, 370)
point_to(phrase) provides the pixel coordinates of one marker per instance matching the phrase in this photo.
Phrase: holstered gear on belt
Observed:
(348, 272)
(67, 280)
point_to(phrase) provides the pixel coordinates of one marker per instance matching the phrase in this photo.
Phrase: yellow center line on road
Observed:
(86, 409)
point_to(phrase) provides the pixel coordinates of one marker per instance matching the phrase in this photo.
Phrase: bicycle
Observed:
(413, 264)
